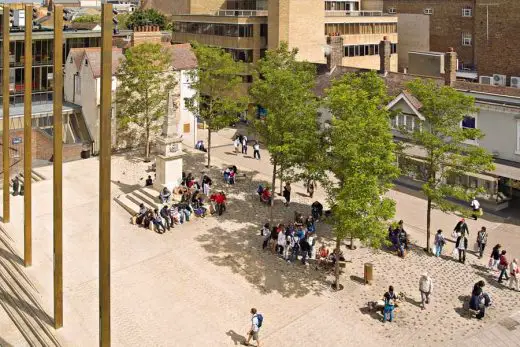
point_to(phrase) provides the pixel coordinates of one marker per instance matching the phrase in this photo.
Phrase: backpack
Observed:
(260, 319)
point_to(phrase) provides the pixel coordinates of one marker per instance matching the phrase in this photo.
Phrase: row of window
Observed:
(246, 5)
(233, 30)
(41, 79)
(362, 50)
(43, 50)
(360, 28)
(467, 11)
(412, 123)
(341, 6)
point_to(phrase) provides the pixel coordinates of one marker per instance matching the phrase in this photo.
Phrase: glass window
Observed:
(468, 122)
(466, 39)
(467, 11)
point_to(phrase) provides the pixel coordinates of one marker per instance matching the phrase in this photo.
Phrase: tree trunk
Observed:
(428, 222)
(273, 182)
(281, 181)
(336, 264)
(147, 145)
(209, 147)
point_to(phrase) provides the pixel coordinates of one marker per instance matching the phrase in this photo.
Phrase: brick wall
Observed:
(41, 146)
(446, 23)
(497, 53)
(500, 54)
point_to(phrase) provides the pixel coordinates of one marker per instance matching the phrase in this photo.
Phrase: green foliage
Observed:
(218, 98)
(445, 145)
(283, 86)
(122, 19)
(146, 17)
(361, 157)
(88, 18)
(146, 80)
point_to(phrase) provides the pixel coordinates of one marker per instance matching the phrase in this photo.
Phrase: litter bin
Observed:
(85, 154)
(369, 273)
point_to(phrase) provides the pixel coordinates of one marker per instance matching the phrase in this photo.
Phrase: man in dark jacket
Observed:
(305, 248)
(165, 213)
(462, 246)
(462, 227)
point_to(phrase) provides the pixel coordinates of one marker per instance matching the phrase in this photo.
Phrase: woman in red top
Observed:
(220, 200)
(503, 266)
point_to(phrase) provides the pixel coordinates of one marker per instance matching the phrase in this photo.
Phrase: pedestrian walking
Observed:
(462, 246)
(482, 240)
(475, 205)
(256, 150)
(256, 323)
(390, 300)
(287, 193)
(310, 188)
(461, 228)
(495, 257)
(439, 243)
(513, 272)
(426, 288)
(236, 143)
(503, 266)
(244, 144)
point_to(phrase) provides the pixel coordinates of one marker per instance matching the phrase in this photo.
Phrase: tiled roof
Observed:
(77, 55)
(396, 82)
(94, 59)
(183, 57)
(413, 100)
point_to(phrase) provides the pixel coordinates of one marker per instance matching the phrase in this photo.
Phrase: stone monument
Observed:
(168, 163)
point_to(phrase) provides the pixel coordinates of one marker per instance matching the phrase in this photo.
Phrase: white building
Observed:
(83, 86)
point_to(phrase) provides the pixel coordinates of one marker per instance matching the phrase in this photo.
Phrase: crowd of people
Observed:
(242, 141)
(195, 199)
(296, 240)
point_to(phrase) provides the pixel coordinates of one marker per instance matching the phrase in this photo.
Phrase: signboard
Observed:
(16, 140)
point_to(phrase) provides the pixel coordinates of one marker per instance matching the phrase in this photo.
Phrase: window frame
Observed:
(428, 11)
(392, 10)
(467, 12)
(467, 39)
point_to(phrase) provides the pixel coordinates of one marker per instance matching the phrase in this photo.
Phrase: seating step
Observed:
(127, 204)
(140, 196)
(151, 193)
(137, 200)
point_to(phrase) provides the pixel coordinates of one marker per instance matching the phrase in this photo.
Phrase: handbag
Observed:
(490, 262)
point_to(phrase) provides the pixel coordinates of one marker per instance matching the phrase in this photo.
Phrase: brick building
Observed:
(484, 33)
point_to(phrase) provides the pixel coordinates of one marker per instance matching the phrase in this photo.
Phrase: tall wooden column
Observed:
(5, 123)
(58, 166)
(105, 118)
(27, 132)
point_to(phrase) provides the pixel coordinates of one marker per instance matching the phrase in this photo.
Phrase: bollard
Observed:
(369, 273)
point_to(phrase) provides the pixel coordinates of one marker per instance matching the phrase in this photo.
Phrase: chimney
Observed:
(385, 50)
(335, 55)
(146, 33)
(450, 67)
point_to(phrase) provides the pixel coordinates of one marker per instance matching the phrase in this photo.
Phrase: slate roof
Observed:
(183, 57)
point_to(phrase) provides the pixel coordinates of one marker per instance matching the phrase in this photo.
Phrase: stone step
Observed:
(137, 200)
(142, 196)
(22, 306)
(151, 193)
(127, 204)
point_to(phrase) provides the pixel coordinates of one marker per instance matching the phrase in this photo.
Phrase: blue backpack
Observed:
(260, 320)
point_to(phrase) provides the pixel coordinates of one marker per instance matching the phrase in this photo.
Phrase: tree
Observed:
(361, 157)
(122, 19)
(146, 79)
(219, 97)
(444, 142)
(146, 17)
(88, 18)
(284, 87)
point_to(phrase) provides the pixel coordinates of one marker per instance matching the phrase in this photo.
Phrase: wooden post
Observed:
(27, 132)
(105, 117)
(58, 166)
(5, 131)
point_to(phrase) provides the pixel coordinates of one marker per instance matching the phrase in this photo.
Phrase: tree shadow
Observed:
(491, 279)
(357, 279)
(236, 338)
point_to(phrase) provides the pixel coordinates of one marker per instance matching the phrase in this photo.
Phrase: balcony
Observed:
(354, 13)
(242, 13)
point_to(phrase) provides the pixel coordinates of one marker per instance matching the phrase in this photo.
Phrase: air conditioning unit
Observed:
(499, 80)
(515, 82)
(484, 80)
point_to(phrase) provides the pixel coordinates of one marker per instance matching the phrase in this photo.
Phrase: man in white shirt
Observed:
(475, 205)
(255, 327)
(256, 150)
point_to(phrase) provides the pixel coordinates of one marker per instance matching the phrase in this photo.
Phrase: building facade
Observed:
(484, 33)
(248, 28)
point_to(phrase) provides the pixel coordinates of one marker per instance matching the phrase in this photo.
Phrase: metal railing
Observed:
(354, 13)
(242, 13)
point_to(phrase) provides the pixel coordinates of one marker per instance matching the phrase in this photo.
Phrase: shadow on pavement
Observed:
(236, 338)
